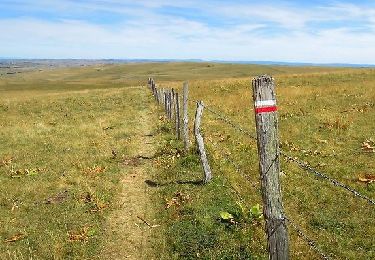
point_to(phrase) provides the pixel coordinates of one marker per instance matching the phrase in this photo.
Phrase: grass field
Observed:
(66, 133)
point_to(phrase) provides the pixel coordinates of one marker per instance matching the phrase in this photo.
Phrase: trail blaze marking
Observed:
(265, 106)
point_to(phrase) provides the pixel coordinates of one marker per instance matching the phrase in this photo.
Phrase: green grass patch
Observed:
(191, 213)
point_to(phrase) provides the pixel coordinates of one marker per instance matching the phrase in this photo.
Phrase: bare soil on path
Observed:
(131, 225)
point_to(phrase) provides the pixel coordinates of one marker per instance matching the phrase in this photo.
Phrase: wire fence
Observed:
(219, 115)
(297, 161)
(303, 165)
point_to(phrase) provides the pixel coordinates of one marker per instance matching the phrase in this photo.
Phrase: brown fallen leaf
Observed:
(368, 146)
(80, 235)
(132, 161)
(15, 238)
(368, 178)
(177, 200)
(6, 161)
(98, 206)
(94, 170)
(58, 198)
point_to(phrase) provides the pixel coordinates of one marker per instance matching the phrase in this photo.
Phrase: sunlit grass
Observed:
(60, 178)
(58, 175)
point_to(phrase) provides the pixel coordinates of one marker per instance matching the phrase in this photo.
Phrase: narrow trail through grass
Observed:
(130, 225)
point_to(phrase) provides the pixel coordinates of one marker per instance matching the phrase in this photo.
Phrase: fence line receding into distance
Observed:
(269, 109)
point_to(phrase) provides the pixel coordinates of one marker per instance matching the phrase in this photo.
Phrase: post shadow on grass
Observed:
(155, 184)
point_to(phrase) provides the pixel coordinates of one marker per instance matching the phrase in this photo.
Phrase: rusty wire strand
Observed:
(308, 240)
(295, 160)
(234, 165)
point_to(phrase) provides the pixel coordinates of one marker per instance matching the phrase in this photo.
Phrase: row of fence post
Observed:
(170, 99)
(268, 151)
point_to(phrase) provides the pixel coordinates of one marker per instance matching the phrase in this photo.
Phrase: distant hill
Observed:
(86, 62)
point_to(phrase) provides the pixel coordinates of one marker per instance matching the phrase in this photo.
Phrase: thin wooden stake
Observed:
(170, 105)
(166, 102)
(269, 164)
(172, 102)
(177, 113)
(186, 117)
(157, 96)
(200, 142)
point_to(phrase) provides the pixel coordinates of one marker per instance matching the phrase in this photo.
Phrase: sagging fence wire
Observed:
(308, 240)
(225, 119)
(303, 165)
(313, 244)
(235, 166)
(335, 182)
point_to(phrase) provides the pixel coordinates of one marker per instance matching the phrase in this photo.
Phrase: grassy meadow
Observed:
(64, 134)
(324, 119)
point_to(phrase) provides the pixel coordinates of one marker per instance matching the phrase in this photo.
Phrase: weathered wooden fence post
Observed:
(157, 95)
(177, 116)
(269, 165)
(186, 116)
(172, 102)
(200, 142)
(166, 102)
(161, 96)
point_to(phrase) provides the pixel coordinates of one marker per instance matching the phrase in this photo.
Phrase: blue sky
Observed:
(296, 31)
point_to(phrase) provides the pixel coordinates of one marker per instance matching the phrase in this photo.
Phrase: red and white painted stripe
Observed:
(265, 106)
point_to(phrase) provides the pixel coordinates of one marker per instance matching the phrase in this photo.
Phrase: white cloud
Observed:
(146, 33)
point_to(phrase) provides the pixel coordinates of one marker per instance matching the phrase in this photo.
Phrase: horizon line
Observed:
(256, 62)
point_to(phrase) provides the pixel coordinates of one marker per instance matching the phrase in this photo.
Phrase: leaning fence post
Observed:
(177, 116)
(269, 164)
(200, 142)
(185, 116)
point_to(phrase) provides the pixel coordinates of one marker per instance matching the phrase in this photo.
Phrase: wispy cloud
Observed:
(237, 30)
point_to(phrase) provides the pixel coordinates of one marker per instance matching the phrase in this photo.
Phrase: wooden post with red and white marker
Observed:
(269, 166)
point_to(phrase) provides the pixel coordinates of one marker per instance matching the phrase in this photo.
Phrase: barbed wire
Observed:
(221, 116)
(309, 241)
(234, 165)
(335, 182)
(230, 122)
(297, 161)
